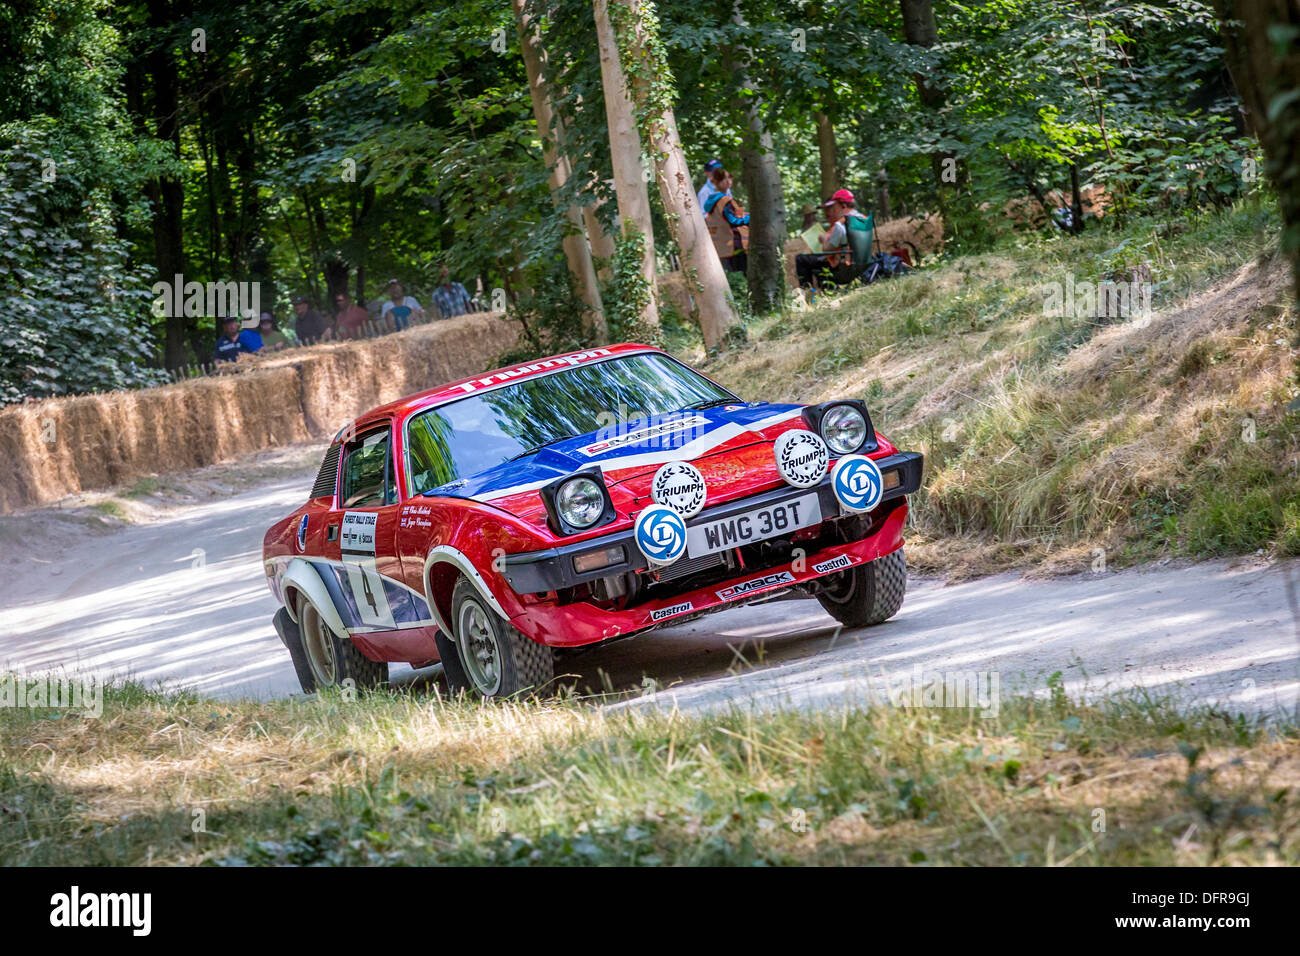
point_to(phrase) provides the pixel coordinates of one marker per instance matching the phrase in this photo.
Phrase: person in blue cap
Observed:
(708, 189)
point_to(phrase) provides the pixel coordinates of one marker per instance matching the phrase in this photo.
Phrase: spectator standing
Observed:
(350, 318)
(311, 326)
(400, 307)
(231, 342)
(708, 189)
(272, 338)
(450, 297)
(250, 337)
(728, 224)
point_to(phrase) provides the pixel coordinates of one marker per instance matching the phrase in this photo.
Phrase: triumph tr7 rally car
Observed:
(572, 500)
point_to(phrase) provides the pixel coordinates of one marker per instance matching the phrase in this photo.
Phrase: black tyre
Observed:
(324, 659)
(494, 658)
(868, 594)
(452, 669)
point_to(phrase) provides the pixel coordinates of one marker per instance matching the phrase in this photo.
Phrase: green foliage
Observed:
(316, 146)
(627, 293)
(73, 301)
(550, 314)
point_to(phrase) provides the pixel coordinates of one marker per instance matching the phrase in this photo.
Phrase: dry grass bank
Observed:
(63, 446)
(1053, 441)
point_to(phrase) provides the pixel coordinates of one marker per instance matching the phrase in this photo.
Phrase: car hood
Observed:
(626, 452)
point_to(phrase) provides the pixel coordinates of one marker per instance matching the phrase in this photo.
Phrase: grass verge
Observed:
(397, 779)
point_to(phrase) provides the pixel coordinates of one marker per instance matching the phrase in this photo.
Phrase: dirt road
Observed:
(176, 595)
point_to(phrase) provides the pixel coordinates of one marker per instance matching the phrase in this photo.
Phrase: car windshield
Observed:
(475, 433)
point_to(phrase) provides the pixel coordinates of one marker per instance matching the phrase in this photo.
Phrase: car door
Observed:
(367, 524)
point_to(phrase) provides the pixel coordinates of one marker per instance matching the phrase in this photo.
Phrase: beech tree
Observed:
(576, 250)
(625, 156)
(650, 79)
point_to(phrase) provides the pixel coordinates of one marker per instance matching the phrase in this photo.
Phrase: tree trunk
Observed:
(828, 156)
(576, 251)
(920, 29)
(602, 243)
(715, 310)
(625, 156)
(767, 226)
(167, 193)
(1266, 72)
(1076, 201)
(882, 209)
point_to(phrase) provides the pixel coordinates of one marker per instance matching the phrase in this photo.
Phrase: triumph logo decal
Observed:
(680, 486)
(671, 610)
(801, 457)
(835, 564)
(526, 370)
(659, 430)
(756, 584)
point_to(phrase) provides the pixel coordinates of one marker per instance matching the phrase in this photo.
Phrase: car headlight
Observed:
(580, 502)
(844, 429)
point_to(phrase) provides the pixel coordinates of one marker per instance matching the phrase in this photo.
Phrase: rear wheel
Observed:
(492, 658)
(868, 594)
(329, 660)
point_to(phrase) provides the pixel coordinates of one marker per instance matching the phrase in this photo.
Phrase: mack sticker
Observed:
(671, 610)
(756, 584)
(643, 435)
(835, 564)
(358, 533)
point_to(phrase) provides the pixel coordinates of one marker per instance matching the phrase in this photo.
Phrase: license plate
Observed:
(771, 521)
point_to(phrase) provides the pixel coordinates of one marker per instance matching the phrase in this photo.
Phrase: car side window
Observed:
(429, 460)
(368, 479)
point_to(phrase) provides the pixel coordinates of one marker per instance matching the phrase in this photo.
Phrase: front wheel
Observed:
(492, 658)
(868, 594)
(325, 659)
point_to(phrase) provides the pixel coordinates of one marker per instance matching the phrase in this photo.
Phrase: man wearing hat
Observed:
(835, 262)
(272, 338)
(708, 189)
(232, 340)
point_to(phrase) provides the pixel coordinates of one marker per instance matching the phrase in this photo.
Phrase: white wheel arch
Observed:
(301, 576)
(445, 554)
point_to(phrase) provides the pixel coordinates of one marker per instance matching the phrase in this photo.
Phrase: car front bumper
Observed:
(584, 622)
(536, 572)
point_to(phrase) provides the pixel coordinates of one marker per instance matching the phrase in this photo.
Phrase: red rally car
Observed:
(574, 500)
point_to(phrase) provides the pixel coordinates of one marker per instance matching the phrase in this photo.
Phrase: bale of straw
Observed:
(57, 447)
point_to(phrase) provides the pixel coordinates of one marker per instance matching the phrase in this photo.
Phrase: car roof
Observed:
(441, 394)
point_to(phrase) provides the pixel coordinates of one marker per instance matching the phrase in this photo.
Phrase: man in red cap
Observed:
(835, 261)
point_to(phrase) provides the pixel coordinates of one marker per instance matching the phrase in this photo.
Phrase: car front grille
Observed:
(683, 569)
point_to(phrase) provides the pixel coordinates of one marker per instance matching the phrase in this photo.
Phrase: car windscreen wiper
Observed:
(714, 403)
(535, 450)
